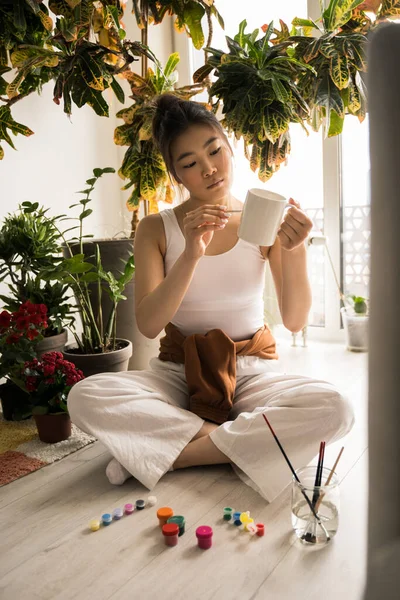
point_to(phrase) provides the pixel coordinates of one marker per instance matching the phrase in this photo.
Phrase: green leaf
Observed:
(240, 38)
(78, 268)
(19, 15)
(97, 172)
(118, 91)
(312, 50)
(218, 16)
(89, 277)
(304, 23)
(83, 94)
(335, 124)
(7, 122)
(357, 49)
(390, 8)
(339, 71)
(108, 170)
(91, 181)
(193, 14)
(338, 13)
(85, 214)
(112, 16)
(128, 273)
(328, 96)
(280, 90)
(202, 73)
(171, 64)
(354, 98)
(124, 135)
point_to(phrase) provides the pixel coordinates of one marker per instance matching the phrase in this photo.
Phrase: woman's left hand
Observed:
(295, 227)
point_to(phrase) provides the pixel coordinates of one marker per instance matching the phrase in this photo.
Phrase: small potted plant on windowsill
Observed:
(48, 382)
(355, 323)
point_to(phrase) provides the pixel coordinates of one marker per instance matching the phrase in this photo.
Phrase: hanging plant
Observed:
(337, 56)
(37, 50)
(256, 89)
(189, 15)
(143, 165)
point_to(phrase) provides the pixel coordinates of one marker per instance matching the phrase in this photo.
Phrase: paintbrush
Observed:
(328, 537)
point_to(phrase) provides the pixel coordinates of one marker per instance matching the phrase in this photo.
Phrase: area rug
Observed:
(21, 451)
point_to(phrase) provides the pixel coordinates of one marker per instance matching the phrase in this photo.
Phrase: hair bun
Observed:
(166, 103)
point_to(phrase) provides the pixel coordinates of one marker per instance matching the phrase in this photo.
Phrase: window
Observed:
(329, 177)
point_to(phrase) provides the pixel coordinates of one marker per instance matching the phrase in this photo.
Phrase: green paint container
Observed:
(228, 512)
(180, 521)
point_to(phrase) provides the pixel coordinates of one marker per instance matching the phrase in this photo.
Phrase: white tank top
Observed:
(226, 291)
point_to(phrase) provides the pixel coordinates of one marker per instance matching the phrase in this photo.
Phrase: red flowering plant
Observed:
(19, 333)
(48, 381)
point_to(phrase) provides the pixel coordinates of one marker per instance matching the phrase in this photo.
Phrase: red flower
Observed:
(48, 369)
(23, 323)
(5, 319)
(32, 334)
(13, 338)
(42, 309)
(52, 357)
(36, 319)
(31, 383)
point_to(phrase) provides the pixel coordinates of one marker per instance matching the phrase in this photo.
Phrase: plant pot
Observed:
(53, 428)
(356, 330)
(54, 343)
(113, 252)
(107, 362)
(14, 402)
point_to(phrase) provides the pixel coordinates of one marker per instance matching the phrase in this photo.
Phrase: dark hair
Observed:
(172, 117)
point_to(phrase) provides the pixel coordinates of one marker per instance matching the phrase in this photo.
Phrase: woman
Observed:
(202, 400)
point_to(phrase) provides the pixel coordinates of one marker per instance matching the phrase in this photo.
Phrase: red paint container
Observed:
(260, 529)
(170, 532)
(204, 535)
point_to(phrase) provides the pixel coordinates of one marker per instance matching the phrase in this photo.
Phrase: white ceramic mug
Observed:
(262, 216)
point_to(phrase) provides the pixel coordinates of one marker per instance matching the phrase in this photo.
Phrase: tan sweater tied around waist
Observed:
(210, 365)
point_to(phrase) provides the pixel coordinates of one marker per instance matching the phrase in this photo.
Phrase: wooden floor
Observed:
(48, 553)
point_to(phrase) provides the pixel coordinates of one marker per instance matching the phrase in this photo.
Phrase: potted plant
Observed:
(20, 332)
(98, 347)
(355, 323)
(48, 382)
(29, 244)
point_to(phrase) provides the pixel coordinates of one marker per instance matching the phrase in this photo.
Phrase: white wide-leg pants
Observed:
(142, 418)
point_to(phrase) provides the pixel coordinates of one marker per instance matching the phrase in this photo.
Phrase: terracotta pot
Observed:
(108, 362)
(54, 343)
(53, 428)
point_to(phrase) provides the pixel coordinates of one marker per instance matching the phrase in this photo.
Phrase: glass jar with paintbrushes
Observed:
(315, 498)
(325, 498)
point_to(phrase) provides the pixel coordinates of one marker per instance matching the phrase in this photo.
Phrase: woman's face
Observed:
(202, 162)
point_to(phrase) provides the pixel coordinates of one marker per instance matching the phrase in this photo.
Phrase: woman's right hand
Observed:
(199, 226)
